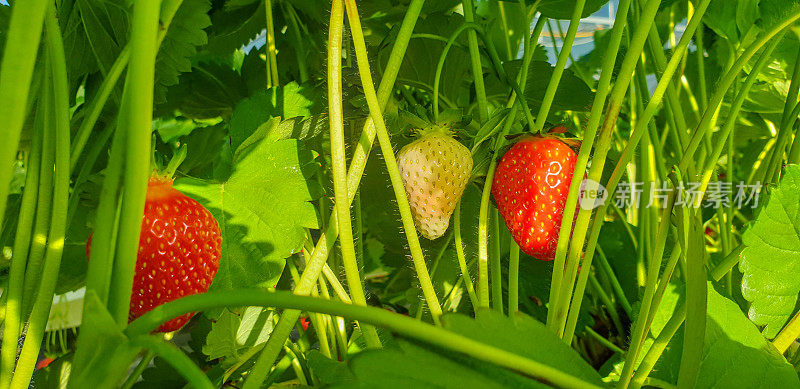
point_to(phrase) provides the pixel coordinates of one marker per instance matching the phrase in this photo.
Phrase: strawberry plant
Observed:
(399, 193)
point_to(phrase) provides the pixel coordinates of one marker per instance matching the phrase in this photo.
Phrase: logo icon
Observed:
(593, 194)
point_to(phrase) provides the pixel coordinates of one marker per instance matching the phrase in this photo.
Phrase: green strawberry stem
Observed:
(582, 223)
(315, 263)
(440, 65)
(136, 114)
(96, 106)
(496, 270)
(396, 323)
(483, 238)
(659, 345)
(272, 57)
(608, 272)
(176, 358)
(19, 60)
(558, 71)
(339, 168)
(299, 45)
(133, 378)
(640, 327)
(391, 164)
(561, 300)
(598, 105)
(177, 159)
(35, 261)
(19, 259)
(60, 128)
(462, 262)
(513, 279)
(475, 62)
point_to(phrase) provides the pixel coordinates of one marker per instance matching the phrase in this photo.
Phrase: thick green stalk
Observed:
(176, 358)
(272, 63)
(694, 333)
(640, 328)
(483, 238)
(788, 334)
(35, 261)
(659, 345)
(19, 57)
(19, 255)
(377, 316)
(513, 279)
(55, 239)
(496, 272)
(475, 62)
(376, 112)
(603, 88)
(568, 267)
(462, 262)
(558, 71)
(627, 154)
(787, 125)
(358, 162)
(136, 116)
(339, 167)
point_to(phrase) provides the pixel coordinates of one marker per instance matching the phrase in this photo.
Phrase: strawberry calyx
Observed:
(434, 129)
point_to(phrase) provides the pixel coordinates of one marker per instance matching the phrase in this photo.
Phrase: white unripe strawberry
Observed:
(435, 170)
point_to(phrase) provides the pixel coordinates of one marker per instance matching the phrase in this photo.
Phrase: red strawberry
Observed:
(304, 323)
(179, 251)
(530, 188)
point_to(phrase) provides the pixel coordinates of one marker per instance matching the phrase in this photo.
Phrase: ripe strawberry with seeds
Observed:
(179, 251)
(530, 188)
(435, 170)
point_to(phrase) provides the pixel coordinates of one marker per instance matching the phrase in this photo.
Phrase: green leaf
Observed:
(522, 335)
(210, 90)
(771, 258)
(290, 100)
(731, 19)
(263, 210)
(411, 365)
(328, 371)
(235, 332)
(735, 354)
(186, 32)
(422, 56)
(573, 94)
(232, 29)
(94, 33)
(563, 9)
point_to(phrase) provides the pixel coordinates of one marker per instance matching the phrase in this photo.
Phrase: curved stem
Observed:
(339, 167)
(377, 316)
(272, 63)
(358, 162)
(376, 113)
(440, 65)
(176, 358)
(138, 370)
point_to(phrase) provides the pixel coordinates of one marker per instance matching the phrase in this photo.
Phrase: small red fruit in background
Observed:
(179, 251)
(530, 188)
(304, 323)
